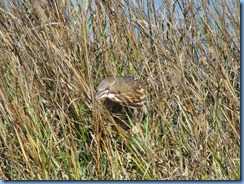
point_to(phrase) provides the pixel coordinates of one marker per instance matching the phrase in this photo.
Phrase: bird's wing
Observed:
(128, 84)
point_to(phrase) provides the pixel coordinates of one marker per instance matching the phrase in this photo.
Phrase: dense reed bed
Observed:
(53, 54)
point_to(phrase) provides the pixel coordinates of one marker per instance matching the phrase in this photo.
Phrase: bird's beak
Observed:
(101, 94)
(98, 94)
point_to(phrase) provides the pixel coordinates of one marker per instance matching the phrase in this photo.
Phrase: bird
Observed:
(126, 91)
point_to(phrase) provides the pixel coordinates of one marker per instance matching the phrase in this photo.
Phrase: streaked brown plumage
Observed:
(126, 91)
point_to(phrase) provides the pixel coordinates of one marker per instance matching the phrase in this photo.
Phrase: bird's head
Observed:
(106, 88)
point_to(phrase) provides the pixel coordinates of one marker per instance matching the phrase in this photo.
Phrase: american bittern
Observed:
(127, 91)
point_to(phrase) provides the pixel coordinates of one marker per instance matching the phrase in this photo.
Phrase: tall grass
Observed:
(53, 55)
